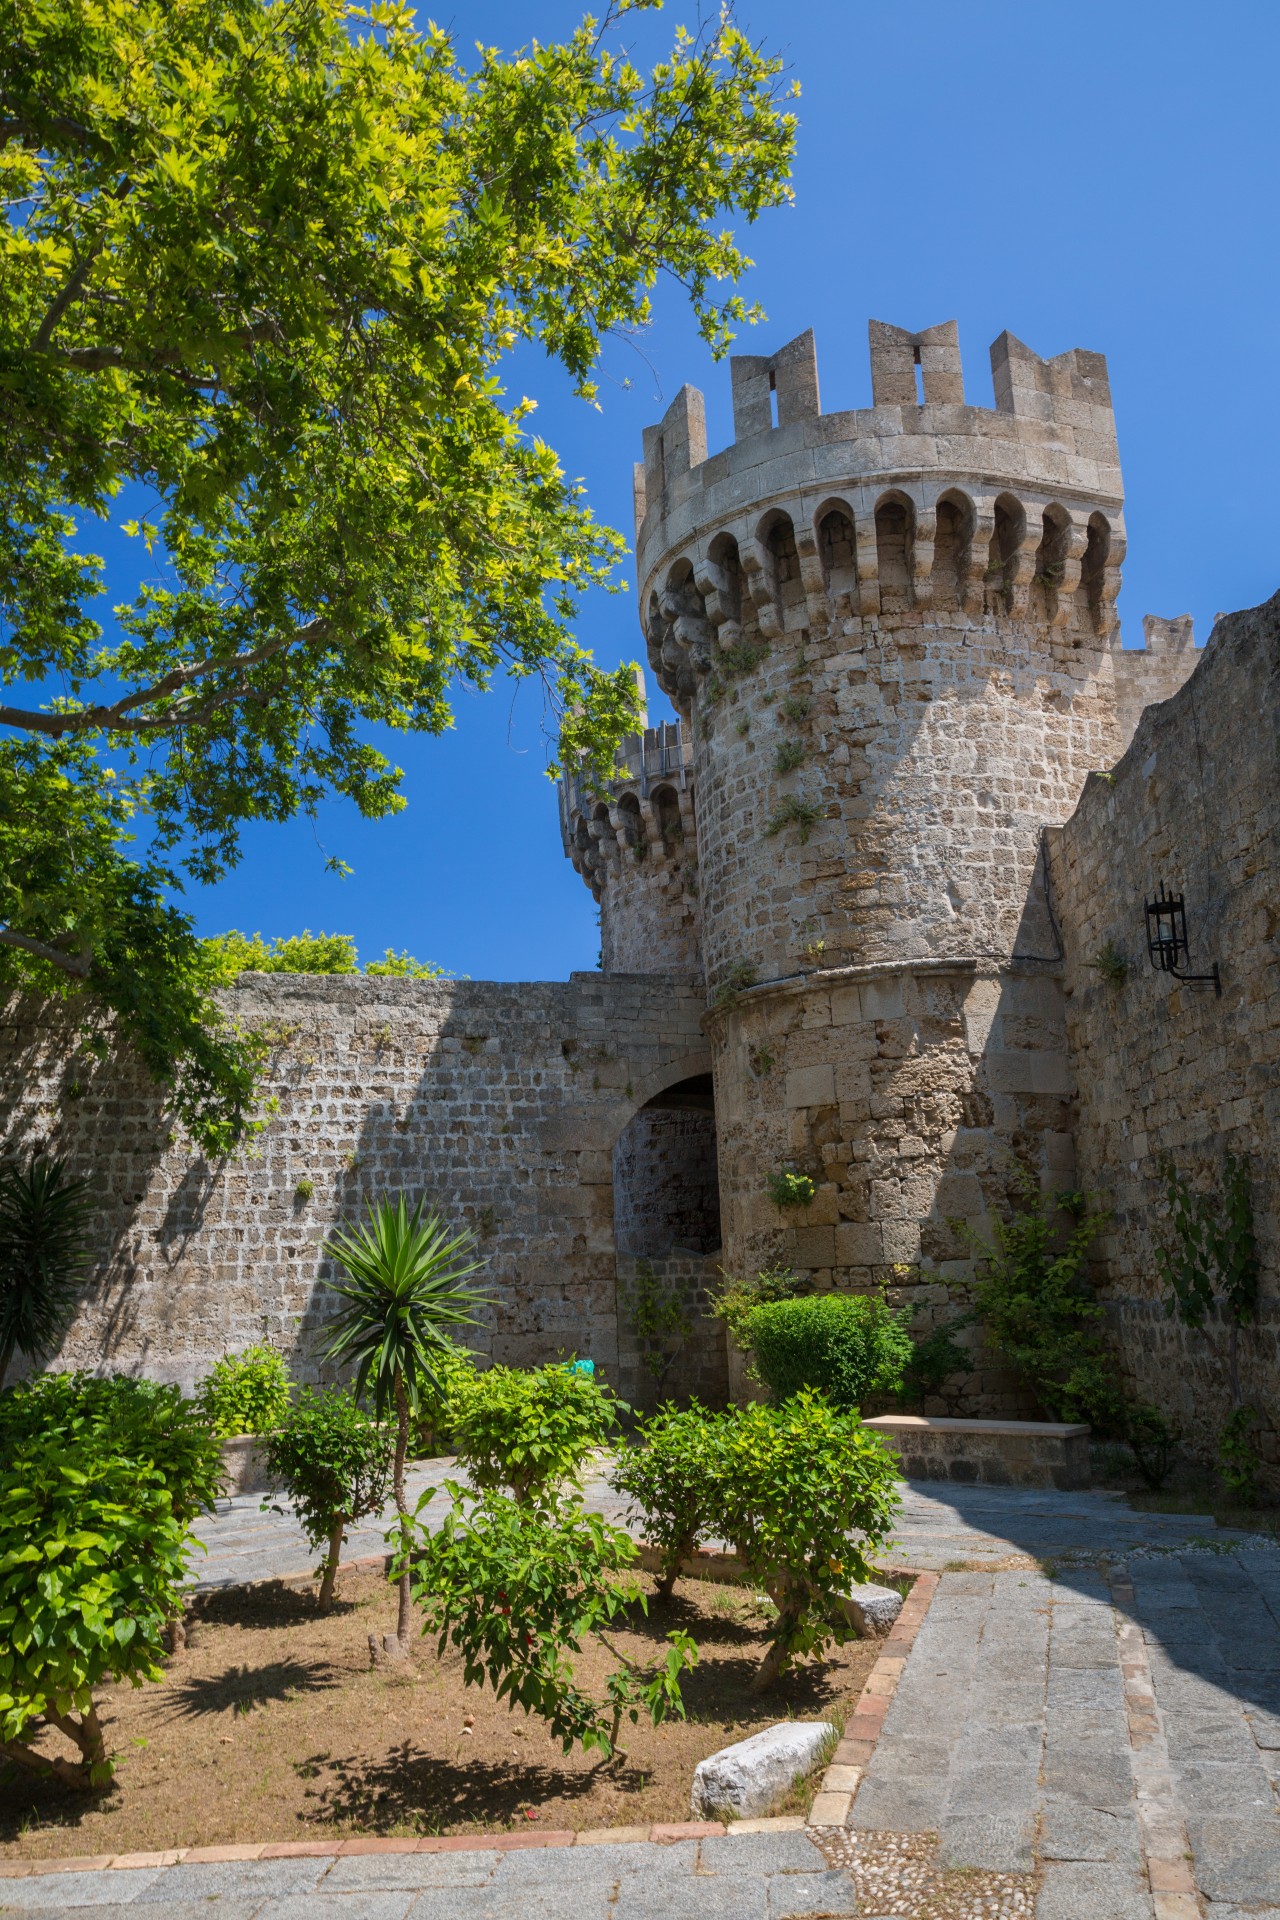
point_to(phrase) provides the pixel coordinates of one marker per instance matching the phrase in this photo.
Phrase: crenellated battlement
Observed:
(917, 502)
(635, 847)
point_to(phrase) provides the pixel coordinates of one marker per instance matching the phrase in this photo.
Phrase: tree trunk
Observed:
(329, 1578)
(402, 1448)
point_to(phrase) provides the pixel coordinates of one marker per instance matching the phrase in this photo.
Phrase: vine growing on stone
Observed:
(658, 1318)
(1210, 1269)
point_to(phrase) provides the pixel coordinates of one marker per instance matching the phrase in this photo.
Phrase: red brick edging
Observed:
(666, 1833)
(849, 1762)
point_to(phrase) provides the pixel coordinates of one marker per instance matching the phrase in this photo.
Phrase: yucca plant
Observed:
(44, 1250)
(408, 1283)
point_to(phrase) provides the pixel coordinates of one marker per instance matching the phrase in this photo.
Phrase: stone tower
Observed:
(890, 635)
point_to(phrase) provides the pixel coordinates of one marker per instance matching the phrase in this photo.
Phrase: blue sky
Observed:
(1103, 176)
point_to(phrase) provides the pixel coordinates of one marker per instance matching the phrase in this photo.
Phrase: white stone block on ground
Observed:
(872, 1609)
(753, 1775)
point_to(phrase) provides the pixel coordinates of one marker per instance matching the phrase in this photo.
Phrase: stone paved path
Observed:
(1103, 1744)
(940, 1525)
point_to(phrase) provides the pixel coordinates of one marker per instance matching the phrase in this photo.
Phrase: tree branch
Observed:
(78, 965)
(119, 718)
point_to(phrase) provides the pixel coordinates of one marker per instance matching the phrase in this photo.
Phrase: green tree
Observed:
(407, 1285)
(44, 1250)
(262, 266)
(335, 1464)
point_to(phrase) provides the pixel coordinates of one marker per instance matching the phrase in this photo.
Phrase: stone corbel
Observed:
(922, 556)
(813, 580)
(1063, 596)
(974, 578)
(868, 562)
(1020, 571)
(712, 583)
(1105, 624)
(757, 586)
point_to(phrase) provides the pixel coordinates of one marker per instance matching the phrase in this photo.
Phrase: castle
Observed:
(850, 909)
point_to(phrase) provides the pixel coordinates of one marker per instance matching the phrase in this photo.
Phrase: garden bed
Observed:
(271, 1726)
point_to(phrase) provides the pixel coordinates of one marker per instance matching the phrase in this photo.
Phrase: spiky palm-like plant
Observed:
(44, 1250)
(407, 1283)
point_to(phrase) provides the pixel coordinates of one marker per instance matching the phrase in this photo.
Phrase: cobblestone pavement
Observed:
(1095, 1741)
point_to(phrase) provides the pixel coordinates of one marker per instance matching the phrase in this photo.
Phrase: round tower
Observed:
(888, 634)
(636, 848)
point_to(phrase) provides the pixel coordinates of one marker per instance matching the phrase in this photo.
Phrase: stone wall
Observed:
(501, 1103)
(1168, 1070)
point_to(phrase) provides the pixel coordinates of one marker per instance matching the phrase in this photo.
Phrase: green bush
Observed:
(114, 1417)
(845, 1345)
(335, 1464)
(1037, 1308)
(672, 1478)
(531, 1430)
(431, 1430)
(794, 1484)
(246, 1393)
(92, 1557)
(518, 1592)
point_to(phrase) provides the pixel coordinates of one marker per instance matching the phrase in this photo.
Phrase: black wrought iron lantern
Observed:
(1167, 942)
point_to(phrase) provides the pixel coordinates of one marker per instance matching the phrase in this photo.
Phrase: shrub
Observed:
(671, 1477)
(336, 1466)
(1038, 1309)
(44, 1250)
(141, 1421)
(844, 1345)
(92, 1556)
(738, 1299)
(531, 1430)
(246, 1393)
(517, 1592)
(794, 1484)
(432, 1428)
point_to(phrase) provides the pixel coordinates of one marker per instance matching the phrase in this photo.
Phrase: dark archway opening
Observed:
(666, 1189)
(666, 1222)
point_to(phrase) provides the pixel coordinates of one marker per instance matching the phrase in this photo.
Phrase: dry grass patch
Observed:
(272, 1726)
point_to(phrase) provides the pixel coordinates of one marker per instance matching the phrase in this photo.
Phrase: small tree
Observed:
(518, 1592)
(44, 1250)
(92, 1557)
(335, 1464)
(407, 1286)
(672, 1477)
(531, 1429)
(246, 1393)
(795, 1485)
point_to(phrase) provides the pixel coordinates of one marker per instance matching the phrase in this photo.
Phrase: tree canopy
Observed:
(262, 264)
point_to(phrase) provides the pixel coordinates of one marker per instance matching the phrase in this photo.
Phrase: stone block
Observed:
(872, 1609)
(751, 1776)
(811, 1087)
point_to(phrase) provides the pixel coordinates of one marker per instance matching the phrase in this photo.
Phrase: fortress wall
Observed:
(501, 1102)
(1165, 1070)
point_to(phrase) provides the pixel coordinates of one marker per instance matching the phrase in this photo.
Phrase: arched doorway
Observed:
(666, 1222)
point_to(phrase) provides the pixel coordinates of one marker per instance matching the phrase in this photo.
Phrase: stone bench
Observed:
(990, 1453)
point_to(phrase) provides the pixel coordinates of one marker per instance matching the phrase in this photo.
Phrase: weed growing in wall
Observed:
(794, 812)
(789, 1189)
(1110, 963)
(658, 1319)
